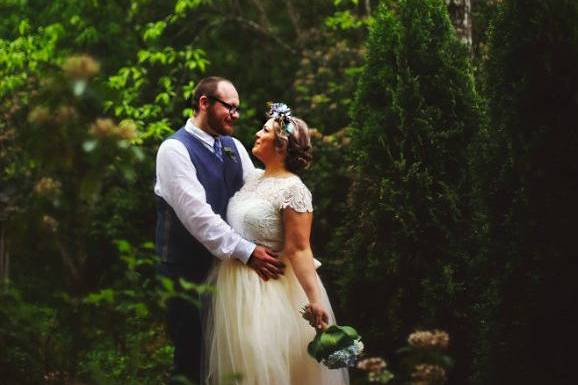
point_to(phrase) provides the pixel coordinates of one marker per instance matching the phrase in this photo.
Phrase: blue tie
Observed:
(218, 148)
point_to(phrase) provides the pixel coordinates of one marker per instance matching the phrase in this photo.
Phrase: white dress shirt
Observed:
(178, 185)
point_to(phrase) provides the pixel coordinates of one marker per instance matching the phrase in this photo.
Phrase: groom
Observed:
(198, 170)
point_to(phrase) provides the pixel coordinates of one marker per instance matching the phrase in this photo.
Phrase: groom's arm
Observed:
(178, 185)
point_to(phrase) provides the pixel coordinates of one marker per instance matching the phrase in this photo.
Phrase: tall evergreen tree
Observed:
(415, 112)
(528, 185)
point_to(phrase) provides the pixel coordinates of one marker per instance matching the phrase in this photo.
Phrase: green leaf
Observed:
(104, 296)
(138, 153)
(154, 31)
(167, 284)
(143, 56)
(24, 27)
(343, 20)
(182, 6)
(141, 310)
(330, 340)
(123, 246)
(187, 285)
(148, 245)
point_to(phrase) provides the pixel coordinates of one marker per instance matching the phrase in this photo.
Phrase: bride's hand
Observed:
(319, 316)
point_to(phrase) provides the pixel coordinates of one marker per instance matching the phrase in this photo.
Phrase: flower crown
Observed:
(282, 114)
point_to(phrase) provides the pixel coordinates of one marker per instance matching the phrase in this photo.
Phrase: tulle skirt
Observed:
(255, 334)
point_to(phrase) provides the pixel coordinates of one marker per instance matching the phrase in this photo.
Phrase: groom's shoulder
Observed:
(171, 145)
(172, 139)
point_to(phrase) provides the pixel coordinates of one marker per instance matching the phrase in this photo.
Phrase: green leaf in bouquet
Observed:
(330, 340)
(314, 347)
(349, 331)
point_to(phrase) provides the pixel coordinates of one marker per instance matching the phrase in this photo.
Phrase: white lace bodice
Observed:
(255, 211)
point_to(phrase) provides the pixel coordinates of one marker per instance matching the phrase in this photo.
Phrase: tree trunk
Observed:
(368, 7)
(4, 260)
(460, 13)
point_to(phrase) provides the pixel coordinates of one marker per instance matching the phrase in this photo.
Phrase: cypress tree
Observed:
(528, 184)
(409, 216)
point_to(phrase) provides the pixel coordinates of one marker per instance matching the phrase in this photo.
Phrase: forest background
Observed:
(444, 178)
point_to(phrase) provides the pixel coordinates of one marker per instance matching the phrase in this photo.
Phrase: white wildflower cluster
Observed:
(346, 357)
(47, 187)
(426, 374)
(81, 66)
(106, 128)
(372, 364)
(429, 339)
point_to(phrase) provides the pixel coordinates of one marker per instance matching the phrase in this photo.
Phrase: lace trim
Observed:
(298, 197)
(281, 192)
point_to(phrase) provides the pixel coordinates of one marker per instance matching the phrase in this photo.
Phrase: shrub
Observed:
(406, 240)
(527, 187)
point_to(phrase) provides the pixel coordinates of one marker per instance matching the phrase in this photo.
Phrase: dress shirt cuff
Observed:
(244, 250)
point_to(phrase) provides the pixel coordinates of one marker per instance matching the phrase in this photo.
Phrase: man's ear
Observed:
(204, 103)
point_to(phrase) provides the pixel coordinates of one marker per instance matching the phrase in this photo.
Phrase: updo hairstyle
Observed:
(298, 142)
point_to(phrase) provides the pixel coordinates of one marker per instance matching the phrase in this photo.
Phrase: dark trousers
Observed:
(185, 331)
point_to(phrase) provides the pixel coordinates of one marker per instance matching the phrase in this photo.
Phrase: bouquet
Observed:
(335, 346)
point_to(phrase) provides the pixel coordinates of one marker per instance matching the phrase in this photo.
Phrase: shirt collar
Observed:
(196, 131)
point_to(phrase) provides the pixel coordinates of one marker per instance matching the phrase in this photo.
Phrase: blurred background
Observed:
(444, 176)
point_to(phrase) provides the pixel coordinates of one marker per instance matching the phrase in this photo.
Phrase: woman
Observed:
(254, 328)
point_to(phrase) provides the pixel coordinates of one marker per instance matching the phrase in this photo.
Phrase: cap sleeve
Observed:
(298, 197)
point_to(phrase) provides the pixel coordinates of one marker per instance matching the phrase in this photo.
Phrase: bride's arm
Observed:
(297, 249)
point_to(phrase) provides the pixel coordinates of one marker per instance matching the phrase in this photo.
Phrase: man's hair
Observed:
(208, 87)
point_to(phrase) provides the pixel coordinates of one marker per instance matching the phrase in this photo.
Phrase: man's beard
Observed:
(215, 124)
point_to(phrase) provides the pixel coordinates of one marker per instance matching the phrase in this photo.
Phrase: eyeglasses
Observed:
(232, 109)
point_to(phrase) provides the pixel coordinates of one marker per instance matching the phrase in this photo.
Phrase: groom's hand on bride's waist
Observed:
(266, 263)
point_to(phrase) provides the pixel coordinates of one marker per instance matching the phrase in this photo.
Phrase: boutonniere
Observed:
(230, 153)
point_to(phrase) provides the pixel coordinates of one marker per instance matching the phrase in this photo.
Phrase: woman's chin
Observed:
(255, 151)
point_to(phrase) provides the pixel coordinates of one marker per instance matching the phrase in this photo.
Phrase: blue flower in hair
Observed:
(282, 113)
(279, 110)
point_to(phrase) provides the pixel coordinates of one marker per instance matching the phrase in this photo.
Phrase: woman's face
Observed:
(264, 147)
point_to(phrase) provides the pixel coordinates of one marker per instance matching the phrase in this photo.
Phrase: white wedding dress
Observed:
(255, 332)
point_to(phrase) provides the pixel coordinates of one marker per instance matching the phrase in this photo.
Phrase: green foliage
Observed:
(72, 156)
(110, 336)
(324, 86)
(405, 238)
(427, 216)
(526, 166)
(27, 338)
(88, 91)
(127, 344)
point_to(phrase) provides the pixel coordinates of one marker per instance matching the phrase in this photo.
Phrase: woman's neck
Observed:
(275, 168)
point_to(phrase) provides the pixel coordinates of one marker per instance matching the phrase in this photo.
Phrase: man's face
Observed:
(219, 119)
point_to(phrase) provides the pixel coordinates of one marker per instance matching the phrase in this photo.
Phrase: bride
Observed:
(254, 329)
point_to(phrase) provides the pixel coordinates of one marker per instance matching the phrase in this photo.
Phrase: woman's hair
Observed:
(298, 141)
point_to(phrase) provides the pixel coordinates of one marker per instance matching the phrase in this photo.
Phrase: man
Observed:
(198, 169)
